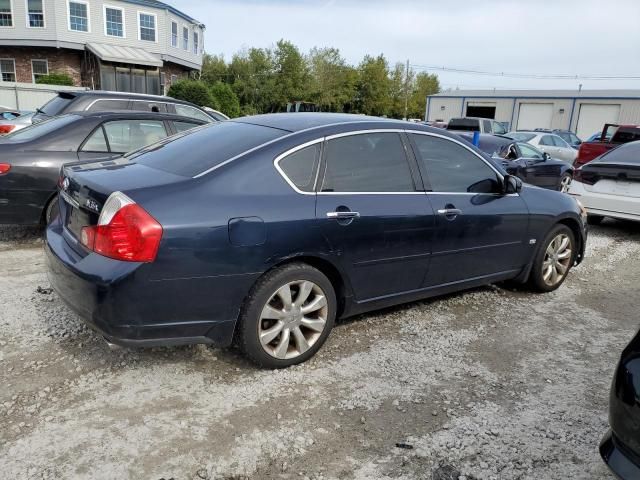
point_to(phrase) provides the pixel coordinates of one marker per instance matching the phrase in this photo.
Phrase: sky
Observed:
(542, 37)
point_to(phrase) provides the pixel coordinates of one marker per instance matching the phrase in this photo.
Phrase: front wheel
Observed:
(287, 316)
(553, 260)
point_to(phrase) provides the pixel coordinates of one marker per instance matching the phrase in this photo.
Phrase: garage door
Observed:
(534, 115)
(593, 116)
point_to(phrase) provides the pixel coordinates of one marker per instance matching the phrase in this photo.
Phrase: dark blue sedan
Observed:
(267, 228)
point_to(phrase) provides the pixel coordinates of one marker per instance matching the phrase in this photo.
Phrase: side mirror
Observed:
(545, 156)
(512, 184)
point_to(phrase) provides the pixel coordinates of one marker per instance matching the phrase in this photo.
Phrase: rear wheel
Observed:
(287, 316)
(51, 209)
(553, 260)
(565, 182)
(594, 219)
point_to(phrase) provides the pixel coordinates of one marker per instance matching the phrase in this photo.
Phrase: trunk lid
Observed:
(612, 178)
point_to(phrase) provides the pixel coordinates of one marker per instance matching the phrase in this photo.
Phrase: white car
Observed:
(609, 186)
(547, 142)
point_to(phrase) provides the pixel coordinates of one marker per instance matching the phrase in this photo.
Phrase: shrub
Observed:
(226, 99)
(55, 78)
(193, 91)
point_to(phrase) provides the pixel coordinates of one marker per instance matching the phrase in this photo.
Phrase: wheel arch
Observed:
(574, 226)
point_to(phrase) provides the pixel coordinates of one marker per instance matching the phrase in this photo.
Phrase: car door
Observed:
(545, 143)
(480, 232)
(372, 213)
(537, 170)
(563, 150)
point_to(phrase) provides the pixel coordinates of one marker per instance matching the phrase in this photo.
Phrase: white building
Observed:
(125, 45)
(584, 112)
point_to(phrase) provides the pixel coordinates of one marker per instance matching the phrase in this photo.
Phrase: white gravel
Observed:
(492, 383)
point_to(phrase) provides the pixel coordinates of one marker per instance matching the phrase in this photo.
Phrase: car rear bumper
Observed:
(618, 458)
(606, 205)
(118, 302)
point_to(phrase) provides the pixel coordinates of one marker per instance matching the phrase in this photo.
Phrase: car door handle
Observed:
(339, 215)
(447, 212)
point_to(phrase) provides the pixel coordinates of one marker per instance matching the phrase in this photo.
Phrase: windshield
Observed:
(56, 105)
(521, 136)
(43, 128)
(465, 124)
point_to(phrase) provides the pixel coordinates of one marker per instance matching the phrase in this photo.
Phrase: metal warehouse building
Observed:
(584, 112)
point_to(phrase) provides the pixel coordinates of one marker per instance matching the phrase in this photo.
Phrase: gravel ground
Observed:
(487, 384)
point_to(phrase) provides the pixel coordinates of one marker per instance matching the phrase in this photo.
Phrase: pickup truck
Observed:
(611, 137)
(475, 124)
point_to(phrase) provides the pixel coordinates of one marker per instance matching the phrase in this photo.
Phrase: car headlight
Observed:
(583, 211)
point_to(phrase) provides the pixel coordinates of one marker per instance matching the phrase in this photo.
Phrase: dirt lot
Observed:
(490, 383)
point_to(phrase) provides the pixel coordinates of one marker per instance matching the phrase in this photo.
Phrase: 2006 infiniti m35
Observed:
(265, 229)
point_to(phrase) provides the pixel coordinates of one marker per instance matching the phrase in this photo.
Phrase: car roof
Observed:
(295, 122)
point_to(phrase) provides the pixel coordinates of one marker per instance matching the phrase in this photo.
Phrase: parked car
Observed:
(526, 161)
(567, 135)
(271, 226)
(436, 124)
(8, 113)
(609, 186)
(620, 446)
(547, 142)
(104, 101)
(612, 136)
(17, 123)
(30, 159)
(475, 124)
(598, 136)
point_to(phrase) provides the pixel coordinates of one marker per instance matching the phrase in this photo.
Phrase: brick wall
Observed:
(60, 60)
(173, 69)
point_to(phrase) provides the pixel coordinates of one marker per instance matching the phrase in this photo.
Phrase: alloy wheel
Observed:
(293, 319)
(565, 183)
(557, 259)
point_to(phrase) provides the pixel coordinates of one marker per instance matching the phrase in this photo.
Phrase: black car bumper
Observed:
(117, 300)
(618, 458)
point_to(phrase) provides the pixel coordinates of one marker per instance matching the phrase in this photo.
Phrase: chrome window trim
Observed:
(131, 100)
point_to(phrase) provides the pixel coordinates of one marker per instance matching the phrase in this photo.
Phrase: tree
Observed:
(251, 74)
(224, 97)
(373, 90)
(55, 78)
(214, 69)
(193, 91)
(291, 75)
(425, 84)
(332, 83)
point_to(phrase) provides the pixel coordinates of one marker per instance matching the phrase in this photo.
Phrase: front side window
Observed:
(185, 38)
(127, 135)
(559, 142)
(498, 129)
(300, 167)
(189, 111)
(452, 168)
(78, 17)
(174, 34)
(8, 69)
(35, 13)
(114, 21)
(195, 43)
(529, 152)
(6, 15)
(371, 162)
(147, 27)
(39, 68)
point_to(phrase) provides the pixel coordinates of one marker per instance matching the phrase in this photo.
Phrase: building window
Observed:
(6, 16)
(147, 26)
(78, 16)
(195, 42)
(174, 79)
(39, 68)
(174, 34)
(8, 69)
(35, 13)
(185, 38)
(114, 21)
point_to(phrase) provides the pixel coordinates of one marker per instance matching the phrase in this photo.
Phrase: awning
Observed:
(114, 53)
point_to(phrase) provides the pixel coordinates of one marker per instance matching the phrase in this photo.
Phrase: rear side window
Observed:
(127, 135)
(96, 142)
(140, 106)
(191, 112)
(205, 148)
(182, 126)
(547, 140)
(109, 105)
(559, 142)
(372, 162)
(300, 167)
(452, 168)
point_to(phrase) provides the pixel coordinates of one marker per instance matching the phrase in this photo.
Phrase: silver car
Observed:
(15, 124)
(547, 142)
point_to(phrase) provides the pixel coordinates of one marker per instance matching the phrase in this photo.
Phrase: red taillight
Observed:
(131, 234)
(4, 168)
(4, 129)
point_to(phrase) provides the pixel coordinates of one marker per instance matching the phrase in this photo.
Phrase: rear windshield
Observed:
(199, 150)
(56, 105)
(520, 136)
(627, 153)
(38, 130)
(466, 124)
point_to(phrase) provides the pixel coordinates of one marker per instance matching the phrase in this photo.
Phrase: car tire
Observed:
(594, 219)
(51, 210)
(279, 328)
(565, 182)
(553, 259)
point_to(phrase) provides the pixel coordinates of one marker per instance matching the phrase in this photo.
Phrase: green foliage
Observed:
(193, 91)
(55, 78)
(263, 80)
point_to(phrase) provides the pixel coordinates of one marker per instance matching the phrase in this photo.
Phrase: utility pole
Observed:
(406, 91)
